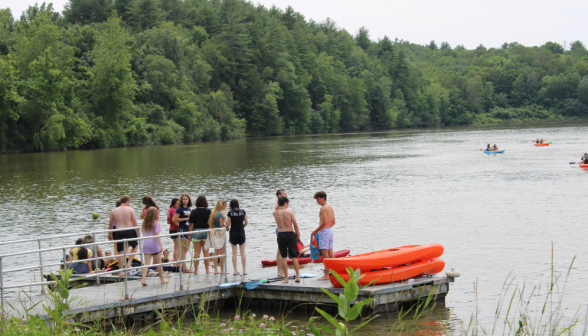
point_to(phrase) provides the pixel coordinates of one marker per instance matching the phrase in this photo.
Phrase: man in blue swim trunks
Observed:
(324, 234)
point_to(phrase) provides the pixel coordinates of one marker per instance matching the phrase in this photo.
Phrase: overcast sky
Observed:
(467, 22)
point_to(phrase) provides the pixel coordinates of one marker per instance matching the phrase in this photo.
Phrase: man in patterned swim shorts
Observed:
(324, 234)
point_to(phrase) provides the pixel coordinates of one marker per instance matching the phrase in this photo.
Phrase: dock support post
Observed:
(64, 261)
(41, 265)
(226, 257)
(97, 260)
(1, 285)
(125, 268)
(180, 262)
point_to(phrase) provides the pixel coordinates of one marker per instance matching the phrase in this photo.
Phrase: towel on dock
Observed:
(216, 239)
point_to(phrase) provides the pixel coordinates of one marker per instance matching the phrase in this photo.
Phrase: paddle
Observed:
(254, 284)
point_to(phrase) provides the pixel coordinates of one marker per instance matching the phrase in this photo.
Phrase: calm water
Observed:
(495, 214)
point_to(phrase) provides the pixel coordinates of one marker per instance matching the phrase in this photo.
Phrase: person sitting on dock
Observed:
(73, 253)
(287, 237)
(165, 256)
(494, 148)
(302, 249)
(82, 267)
(108, 253)
(488, 148)
(94, 250)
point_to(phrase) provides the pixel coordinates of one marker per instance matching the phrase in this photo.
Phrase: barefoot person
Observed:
(124, 216)
(324, 234)
(236, 222)
(152, 247)
(181, 217)
(199, 222)
(287, 239)
(216, 221)
(279, 193)
(173, 227)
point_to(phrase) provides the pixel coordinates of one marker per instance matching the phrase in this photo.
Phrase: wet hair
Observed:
(88, 239)
(234, 204)
(173, 203)
(124, 199)
(82, 253)
(320, 194)
(283, 200)
(149, 202)
(117, 204)
(201, 202)
(220, 206)
(150, 218)
(279, 192)
(79, 241)
(182, 200)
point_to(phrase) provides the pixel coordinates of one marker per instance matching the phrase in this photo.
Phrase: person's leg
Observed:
(243, 258)
(285, 268)
(234, 260)
(325, 255)
(215, 262)
(207, 261)
(279, 263)
(157, 260)
(331, 253)
(296, 268)
(185, 246)
(147, 259)
(130, 258)
(197, 248)
(176, 250)
(222, 261)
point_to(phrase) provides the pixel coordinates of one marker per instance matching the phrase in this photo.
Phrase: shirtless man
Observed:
(124, 216)
(287, 239)
(279, 193)
(324, 234)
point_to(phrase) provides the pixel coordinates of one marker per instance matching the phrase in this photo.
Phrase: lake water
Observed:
(498, 216)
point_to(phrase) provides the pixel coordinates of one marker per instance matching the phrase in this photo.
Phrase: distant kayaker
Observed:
(542, 142)
(488, 148)
(494, 148)
(324, 234)
(585, 158)
(279, 193)
(287, 237)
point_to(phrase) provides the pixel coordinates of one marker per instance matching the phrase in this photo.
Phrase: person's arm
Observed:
(90, 266)
(295, 225)
(110, 224)
(143, 213)
(99, 251)
(134, 221)
(159, 241)
(228, 222)
(246, 222)
(222, 221)
(322, 222)
(177, 218)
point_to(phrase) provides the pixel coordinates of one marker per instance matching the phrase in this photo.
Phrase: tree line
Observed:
(109, 73)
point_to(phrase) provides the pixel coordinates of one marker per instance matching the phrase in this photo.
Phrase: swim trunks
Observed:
(237, 238)
(127, 234)
(325, 239)
(173, 231)
(287, 244)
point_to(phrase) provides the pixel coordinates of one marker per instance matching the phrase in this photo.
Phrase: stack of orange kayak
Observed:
(386, 266)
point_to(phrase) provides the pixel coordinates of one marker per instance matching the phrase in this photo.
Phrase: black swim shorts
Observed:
(127, 234)
(173, 231)
(287, 243)
(237, 238)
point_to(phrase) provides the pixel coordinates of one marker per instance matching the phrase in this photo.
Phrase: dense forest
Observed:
(107, 73)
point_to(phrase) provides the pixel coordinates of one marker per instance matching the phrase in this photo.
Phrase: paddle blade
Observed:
(252, 284)
(573, 162)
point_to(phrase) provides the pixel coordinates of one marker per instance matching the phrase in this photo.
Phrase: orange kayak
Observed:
(541, 145)
(393, 274)
(393, 257)
(582, 165)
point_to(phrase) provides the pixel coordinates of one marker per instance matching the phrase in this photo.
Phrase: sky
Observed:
(466, 22)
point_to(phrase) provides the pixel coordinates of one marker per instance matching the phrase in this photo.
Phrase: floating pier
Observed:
(106, 301)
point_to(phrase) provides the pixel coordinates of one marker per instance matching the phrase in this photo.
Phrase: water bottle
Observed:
(314, 251)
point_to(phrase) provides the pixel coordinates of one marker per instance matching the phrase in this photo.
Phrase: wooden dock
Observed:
(94, 303)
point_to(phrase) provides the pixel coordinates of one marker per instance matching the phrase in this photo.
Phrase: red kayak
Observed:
(307, 260)
(541, 144)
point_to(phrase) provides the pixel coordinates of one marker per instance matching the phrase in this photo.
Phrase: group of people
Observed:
(539, 141)
(183, 217)
(491, 149)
